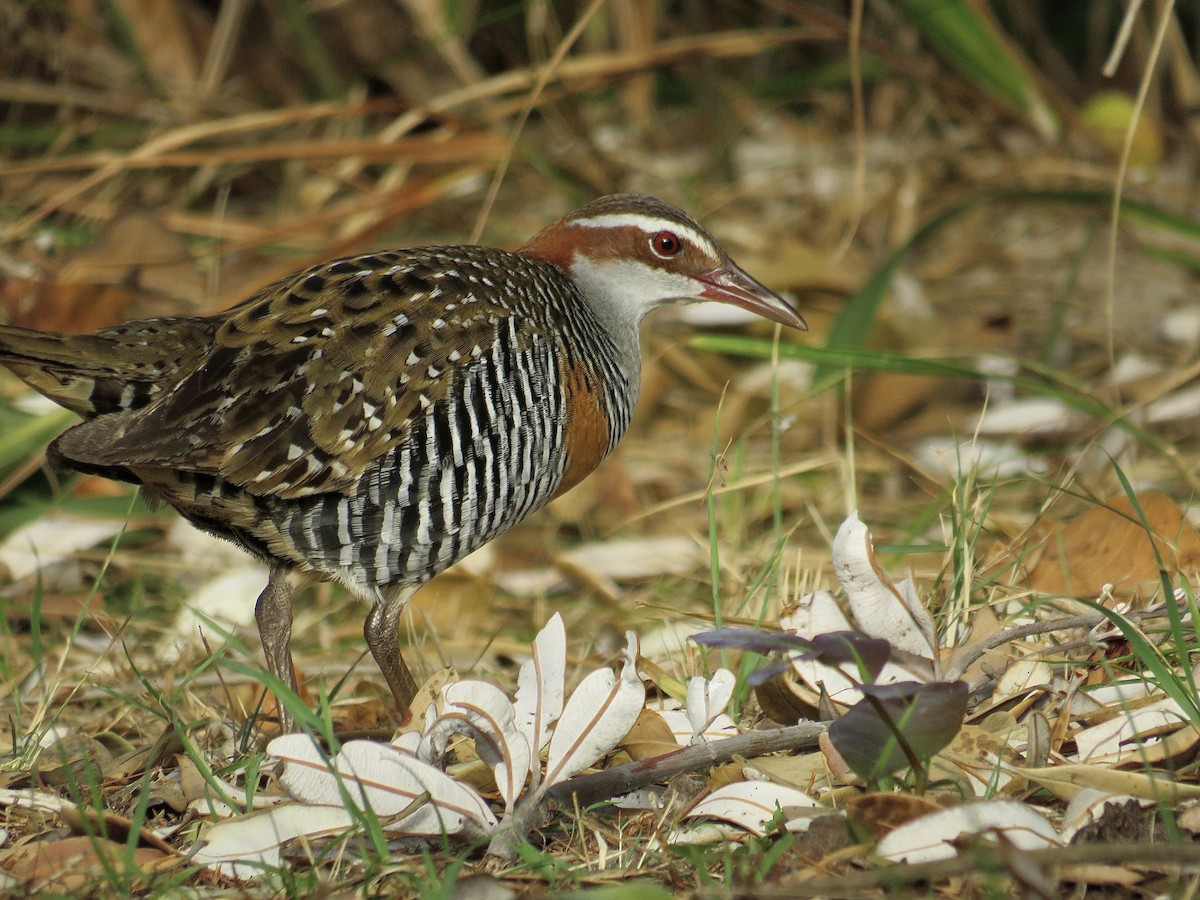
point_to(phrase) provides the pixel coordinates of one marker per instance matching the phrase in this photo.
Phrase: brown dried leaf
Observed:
(726, 774)
(880, 813)
(76, 862)
(64, 306)
(649, 737)
(808, 772)
(784, 699)
(1108, 545)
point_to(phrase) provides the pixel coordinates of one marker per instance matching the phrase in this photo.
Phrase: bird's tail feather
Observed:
(114, 370)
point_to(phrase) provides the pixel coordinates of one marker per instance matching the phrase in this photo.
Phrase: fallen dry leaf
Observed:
(76, 863)
(1109, 545)
(649, 737)
(53, 305)
(880, 813)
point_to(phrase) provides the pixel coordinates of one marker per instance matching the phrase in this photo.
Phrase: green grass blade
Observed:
(857, 318)
(1043, 382)
(25, 435)
(965, 35)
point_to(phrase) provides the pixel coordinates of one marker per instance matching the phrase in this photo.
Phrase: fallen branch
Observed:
(1029, 629)
(588, 789)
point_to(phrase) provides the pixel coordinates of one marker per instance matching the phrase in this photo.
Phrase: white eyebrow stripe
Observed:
(648, 224)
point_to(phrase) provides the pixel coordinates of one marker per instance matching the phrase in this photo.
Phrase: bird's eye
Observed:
(666, 243)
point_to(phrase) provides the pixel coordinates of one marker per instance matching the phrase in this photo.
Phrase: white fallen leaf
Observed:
(819, 613)
(881, 607)
(751, 804)
(50, 540)
(1022, 675)
(599, 714)
(407, 742)
(541, 685)
(222, 603)
(246, 847)
(1133, 367)
(1099, 698)
(636, 559)
(680, 724)
(987, 460)
(40, 801)
(212, 808)
(642, 799)
(1181, 325)
(1103, 742)
(931, 837)
(201, 554)
(708, 697)
(803, 822)
(1066, 781)
(707, 833)
(382, 777)
(1176, 406)
(485, 714)
(529, 582)
(1027, 416)
(811, 615)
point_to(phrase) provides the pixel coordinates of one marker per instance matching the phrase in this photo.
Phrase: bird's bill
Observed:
(729, 284)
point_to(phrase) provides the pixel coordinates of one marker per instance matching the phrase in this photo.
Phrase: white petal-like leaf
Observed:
(818, 613)
(636, 559)
(1103, 743)
(408, 742)
(247, 846)
(931, 837)
(750, 804)
(707, 833)
(707, 698)
(599, 714)
(814, 614)
(382, 777)
(219, 602)
(681, 727)
(485, 714)
(1027, 416)
(540, 690)
(49, 540)
(879, 606)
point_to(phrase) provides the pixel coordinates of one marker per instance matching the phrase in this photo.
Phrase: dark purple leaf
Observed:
(753, 639)
(898, 725)
(838, 647)
(767, 672)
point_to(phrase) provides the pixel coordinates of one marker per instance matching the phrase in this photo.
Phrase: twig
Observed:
(586, 789)
(1019, 632)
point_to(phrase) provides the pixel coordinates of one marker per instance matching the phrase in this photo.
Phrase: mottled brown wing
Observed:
(315, 378)
(114, 370)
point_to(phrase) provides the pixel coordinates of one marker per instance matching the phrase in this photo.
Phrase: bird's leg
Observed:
(382, 631)
(273, 612)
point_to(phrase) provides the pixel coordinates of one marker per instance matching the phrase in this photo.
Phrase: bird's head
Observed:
(631, 253)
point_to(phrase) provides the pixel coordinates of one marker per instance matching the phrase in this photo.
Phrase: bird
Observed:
(373, 419)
